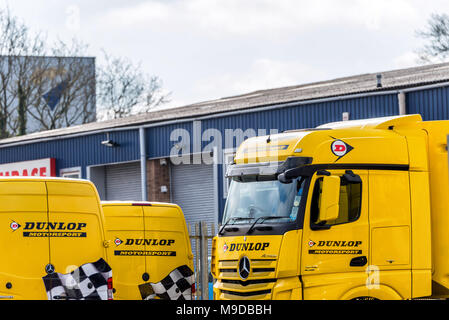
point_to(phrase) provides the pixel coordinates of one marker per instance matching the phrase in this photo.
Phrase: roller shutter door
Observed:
(122, 181)
(192, 188)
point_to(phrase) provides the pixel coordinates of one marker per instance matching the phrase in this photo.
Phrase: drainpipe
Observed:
(402, 103)
(143, 164)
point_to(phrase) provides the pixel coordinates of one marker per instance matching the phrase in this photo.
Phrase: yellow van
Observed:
(149, 251)
(52, 243)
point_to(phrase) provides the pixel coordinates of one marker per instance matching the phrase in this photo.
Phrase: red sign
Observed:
(33, 168)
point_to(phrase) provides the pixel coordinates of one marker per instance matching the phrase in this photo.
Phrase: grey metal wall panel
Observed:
(97, 176)
(122, 181)
(192, 188)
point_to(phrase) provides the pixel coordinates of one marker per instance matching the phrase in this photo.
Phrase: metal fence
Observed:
(201, 235)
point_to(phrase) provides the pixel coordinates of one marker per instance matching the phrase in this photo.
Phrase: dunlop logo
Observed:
(259, 246)
(51, 229)
(149, 242)
(339, 243)
(342, 247)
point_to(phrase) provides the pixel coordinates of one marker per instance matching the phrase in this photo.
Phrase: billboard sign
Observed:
(40, 168)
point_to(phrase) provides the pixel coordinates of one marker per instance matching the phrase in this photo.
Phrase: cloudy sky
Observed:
(207, 49)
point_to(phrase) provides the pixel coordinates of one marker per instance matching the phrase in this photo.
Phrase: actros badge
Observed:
(340, 148)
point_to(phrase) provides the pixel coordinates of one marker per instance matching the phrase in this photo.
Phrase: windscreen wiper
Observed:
(262, 220)
(232, 219)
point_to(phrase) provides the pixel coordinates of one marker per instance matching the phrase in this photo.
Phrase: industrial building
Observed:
(180, 154)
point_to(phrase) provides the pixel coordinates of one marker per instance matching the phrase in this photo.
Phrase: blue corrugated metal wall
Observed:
(286, 118)
(158, 142)
(81, 151)
(432, 104)
(309, 115)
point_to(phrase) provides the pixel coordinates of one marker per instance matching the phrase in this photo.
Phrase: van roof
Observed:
(137, 203)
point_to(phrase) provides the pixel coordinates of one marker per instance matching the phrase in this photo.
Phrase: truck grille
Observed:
(246, 293)
(260, 268)
(248, 282)
(258, 285)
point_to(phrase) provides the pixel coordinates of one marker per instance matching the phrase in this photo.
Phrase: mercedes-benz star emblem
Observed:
(244, 268)
(49, 268)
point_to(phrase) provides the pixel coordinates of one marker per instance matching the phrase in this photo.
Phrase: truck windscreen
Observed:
(255, 199)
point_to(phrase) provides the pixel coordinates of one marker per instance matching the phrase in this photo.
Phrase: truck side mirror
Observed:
(283, 179)
(330, 198)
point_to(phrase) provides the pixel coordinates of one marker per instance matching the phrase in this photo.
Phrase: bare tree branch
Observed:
(123, 89)
(32, 73)
(437, 35)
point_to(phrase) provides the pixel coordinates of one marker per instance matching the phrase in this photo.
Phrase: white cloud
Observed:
(408, 59)
(262, 16)
(205, 49)
(263, 74)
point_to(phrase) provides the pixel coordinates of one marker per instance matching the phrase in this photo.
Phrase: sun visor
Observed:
(266, 168)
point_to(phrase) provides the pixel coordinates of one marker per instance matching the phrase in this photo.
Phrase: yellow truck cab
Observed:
(348, 210)
(149, 250)
(52, 240)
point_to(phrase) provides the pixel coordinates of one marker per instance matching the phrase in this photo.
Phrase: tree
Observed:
(64, 80)
(123, 89)
(436, 33)
(49, 88)
(14, 42)
(44, 87)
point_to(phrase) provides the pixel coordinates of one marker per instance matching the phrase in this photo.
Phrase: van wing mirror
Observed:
(330, 198)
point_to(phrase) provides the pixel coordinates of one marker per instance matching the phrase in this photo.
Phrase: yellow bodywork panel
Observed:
(170, 244)
(124, 230)
(46, 221)
(147, 242)
(23, 259)
(372, 146)
(389, 244)
(439, 189)
(75, 224)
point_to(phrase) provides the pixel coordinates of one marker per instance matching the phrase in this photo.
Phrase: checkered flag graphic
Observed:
(176, 286)
(88, 282)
